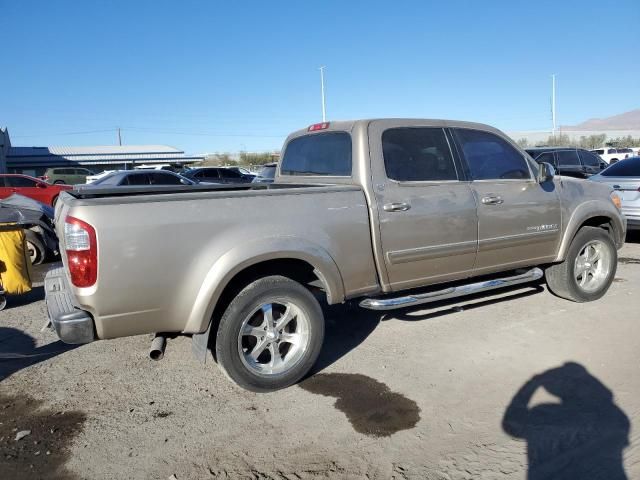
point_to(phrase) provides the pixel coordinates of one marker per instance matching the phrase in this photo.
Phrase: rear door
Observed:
(426, 209)
(518, 218)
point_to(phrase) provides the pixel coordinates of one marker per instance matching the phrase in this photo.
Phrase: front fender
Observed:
(585, 211)
(251, 253)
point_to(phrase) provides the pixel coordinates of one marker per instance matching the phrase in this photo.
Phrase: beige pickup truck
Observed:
(392, 212)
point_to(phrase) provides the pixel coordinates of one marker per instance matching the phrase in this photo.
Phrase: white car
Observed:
(98, 176)
(613, 155)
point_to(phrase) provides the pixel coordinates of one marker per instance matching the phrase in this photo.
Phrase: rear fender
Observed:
(252, 253)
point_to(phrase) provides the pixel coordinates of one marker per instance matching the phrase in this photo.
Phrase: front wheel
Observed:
(589, 268)
(270, 335)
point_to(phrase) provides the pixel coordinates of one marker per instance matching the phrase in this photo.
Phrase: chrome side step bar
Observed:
(451, 292)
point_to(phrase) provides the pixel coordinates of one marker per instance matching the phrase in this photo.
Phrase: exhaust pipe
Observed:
(158, 345)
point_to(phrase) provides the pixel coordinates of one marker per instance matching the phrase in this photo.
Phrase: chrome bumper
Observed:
(71, 324)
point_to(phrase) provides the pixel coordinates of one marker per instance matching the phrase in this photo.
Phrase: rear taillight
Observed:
(82, 252)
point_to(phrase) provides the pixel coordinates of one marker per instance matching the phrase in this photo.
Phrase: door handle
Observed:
(396, 207)
(492, 200)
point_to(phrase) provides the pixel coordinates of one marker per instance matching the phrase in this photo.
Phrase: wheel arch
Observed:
(294, 258)
(586, 215)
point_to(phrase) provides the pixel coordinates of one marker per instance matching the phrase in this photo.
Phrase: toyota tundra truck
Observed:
(391, 213)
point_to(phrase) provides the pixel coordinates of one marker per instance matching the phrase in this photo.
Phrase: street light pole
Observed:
(553, 103)
(324, 110)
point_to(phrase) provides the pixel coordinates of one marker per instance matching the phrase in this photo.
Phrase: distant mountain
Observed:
(624, 121)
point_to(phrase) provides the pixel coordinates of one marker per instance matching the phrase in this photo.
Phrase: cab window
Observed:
(490, 157)
(417, 154)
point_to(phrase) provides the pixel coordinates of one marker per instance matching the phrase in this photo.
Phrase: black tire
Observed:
(268, 290)
(35, 248)
(58, 182)
(561, 277)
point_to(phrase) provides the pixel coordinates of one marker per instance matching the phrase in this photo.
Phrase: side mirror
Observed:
(546, 172)
(41, 185)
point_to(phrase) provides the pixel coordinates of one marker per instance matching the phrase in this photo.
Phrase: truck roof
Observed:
(349, 125)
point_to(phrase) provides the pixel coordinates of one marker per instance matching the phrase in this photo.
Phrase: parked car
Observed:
(98, 176)
(37, 221)
(163, 166)
(30, 187)
(613, 155)
(217, 175)
(140, 177)
(568, 161)
(624, 178)
(244, 172)
(267, 173)
(392, 212)
(66, 175)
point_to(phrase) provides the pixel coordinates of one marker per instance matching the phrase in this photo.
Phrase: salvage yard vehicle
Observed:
(30, 187)
(37, 221)
(66, 175)
(569, 161)
(392, 212)
(138, 177)
(624, 178)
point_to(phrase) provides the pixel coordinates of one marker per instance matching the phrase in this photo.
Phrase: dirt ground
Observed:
(504, 386)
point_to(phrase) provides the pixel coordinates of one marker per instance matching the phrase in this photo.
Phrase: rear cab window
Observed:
(319, 154)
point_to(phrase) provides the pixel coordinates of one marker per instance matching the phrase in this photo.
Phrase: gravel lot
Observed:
(489, 387)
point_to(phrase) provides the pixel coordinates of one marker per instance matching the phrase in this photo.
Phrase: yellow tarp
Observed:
(15, 265)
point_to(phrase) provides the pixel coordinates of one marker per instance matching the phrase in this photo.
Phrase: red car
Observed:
(30, 187)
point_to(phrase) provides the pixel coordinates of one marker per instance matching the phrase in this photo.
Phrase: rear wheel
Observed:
(270, 335)
(35, 248)
(58, 182)
(589, 268)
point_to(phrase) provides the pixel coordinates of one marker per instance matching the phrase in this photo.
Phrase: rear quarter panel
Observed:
(162, 262)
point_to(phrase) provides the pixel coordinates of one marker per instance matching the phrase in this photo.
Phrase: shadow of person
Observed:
(581, 437)
(18, 350)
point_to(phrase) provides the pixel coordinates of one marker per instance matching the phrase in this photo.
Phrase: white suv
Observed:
(612, 155)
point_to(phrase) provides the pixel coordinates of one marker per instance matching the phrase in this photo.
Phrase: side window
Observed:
(20, 182)
(589, 159)
(547, 157)
(159, 178)
(417, 155)
(568, 158)
(490, 157)
(226, 173)
(137, 179)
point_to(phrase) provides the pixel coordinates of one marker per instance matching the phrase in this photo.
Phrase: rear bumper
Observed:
(72, 324)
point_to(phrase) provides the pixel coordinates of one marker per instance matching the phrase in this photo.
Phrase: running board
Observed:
(452, 292)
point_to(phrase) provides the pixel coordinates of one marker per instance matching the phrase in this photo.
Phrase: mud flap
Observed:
(200, 345)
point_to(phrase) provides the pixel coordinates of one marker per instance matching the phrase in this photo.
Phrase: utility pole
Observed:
(119, 137)
(553, 104)
(324, 110)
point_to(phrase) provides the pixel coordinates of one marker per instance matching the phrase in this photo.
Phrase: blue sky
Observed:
(211, 76)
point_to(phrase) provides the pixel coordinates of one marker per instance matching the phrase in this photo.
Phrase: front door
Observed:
(426, 212)
(519, 219)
